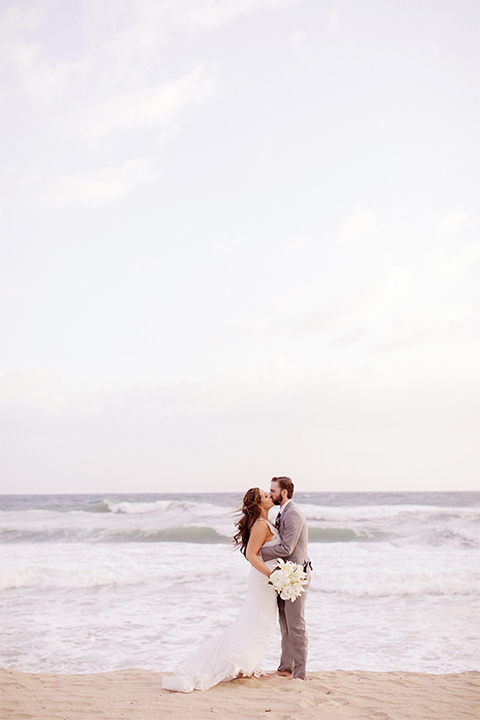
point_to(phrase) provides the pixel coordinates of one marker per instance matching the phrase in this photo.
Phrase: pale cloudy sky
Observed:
(241, 239)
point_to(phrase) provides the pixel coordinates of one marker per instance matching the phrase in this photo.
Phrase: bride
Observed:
(238, 651)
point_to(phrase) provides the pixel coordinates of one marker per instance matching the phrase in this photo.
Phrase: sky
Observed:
(240, 239)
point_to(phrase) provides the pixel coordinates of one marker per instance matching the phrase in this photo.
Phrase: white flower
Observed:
(288, 579)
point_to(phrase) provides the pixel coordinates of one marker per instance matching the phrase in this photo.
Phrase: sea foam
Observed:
(92, 584)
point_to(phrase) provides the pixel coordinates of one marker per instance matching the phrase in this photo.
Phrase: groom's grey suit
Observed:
(293, 546)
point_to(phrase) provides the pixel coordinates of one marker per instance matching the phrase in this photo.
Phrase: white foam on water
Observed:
(91, 608)
(136, 507)
(124, 521)
(126, 583)
(386, 512)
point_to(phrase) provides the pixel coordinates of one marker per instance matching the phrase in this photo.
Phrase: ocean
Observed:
(95, 583)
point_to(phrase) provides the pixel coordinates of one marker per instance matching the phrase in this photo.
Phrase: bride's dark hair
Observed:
(249, 514)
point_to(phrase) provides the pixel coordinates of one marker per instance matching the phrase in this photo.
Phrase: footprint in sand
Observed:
(331, 697)
(324, 689)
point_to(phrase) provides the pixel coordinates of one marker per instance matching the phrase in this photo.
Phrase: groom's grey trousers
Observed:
(293, 546)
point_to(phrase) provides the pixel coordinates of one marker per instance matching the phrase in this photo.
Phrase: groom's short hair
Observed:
(284, 483)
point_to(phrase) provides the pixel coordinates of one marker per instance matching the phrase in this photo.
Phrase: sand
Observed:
(324, 696)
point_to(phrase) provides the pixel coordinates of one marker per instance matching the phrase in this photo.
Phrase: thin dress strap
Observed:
(272, 527)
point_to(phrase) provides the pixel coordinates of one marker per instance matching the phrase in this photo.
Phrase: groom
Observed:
(293, 545)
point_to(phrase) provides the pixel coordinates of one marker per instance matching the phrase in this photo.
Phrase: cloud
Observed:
(193, 15)
(213, 435)
(10, 292)
(37, 387)
(355, 311)
(334, 19)
(453, 268)
(96, 188)
(361, 226)
(212, 13)
(455, 223)
(157, 105)
(145, 264)
(350, 338)
(18, 18)
(423, 327)
(25, 70)
(131, 32)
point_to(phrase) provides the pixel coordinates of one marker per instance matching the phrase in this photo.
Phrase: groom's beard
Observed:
(276, 502)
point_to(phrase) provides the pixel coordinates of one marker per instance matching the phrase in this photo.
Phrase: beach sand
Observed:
(325, 696)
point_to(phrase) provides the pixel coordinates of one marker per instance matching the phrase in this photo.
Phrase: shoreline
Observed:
(137, 694)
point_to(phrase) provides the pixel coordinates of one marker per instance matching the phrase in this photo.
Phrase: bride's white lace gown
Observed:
(239, 650)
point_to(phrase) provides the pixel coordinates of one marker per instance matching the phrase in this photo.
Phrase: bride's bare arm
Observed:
(260, 532)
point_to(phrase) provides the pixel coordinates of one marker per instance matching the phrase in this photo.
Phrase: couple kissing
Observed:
(238, 651)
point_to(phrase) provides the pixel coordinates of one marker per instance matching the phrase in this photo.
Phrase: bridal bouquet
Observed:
(288, 579)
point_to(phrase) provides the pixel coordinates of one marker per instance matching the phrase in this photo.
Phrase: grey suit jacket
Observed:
(293, 543)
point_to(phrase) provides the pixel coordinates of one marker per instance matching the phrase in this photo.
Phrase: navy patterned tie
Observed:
(277, 521)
